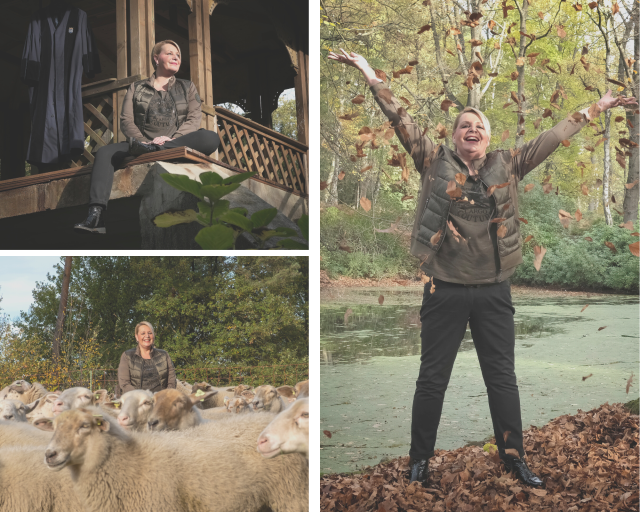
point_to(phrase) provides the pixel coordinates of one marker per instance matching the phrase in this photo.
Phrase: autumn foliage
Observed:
(588, 461)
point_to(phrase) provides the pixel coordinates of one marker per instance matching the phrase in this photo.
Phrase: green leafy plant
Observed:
(222, 224)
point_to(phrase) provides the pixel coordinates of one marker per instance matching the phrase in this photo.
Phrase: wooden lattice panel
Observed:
(98, 126)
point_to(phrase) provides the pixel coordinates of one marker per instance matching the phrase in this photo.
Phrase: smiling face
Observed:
(145, 337)
(470, 137)
(168, 60)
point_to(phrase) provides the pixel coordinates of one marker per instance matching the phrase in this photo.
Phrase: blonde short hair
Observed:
(147, 324)
(475, 111)
(158, 48)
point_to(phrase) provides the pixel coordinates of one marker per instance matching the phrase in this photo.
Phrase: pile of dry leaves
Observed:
(588, 462)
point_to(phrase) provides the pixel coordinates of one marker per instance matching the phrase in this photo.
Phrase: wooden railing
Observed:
(245, 145)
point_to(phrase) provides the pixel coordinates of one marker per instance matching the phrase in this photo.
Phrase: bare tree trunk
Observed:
(631, 195)
(331, 197)
(520, 69)
(606, 173)
(55, 351)
(440, 60)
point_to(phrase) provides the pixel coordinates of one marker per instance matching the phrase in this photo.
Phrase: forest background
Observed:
(207, 312)
(527, 64)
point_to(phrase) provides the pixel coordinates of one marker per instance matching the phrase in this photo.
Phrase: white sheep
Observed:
(302, 389)
(44, 409)
(28, 485)
(288, 432)
(26, 394)
(13, 433)
(216, 399)
(6, 389)
(237, 405)
(132, 409)
(184, 386)
(268, 399)
(73, 398)
(173, 410)
(113, 471)
(15, 410)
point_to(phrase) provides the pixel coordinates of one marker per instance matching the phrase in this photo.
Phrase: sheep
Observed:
(241, 389)
(268, 399)
(286, 391)
(216, 399)
(73, 398)
(5, 390)
(132, 409)
(302, 389)
(113, 471)
(173, 410)
(184, 386)
(15, 410)
(13, 433)
(27, 485)
(26, 394)
(288, 432)
(237, 405)
(213, 413)
(44, 409)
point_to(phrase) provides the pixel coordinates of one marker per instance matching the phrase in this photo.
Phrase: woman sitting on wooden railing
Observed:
(161, 112)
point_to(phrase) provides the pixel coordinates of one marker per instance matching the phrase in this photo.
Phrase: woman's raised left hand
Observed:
(608, 101)
(161, 140)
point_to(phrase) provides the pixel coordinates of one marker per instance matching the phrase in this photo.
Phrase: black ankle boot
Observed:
(94, 223)
(522, 471)
(419, 471)
(137, 148)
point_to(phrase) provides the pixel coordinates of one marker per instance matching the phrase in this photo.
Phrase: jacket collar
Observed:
(153, 351)
(151, 80)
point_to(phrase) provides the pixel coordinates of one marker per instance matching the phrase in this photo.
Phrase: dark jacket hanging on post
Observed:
(59, 46)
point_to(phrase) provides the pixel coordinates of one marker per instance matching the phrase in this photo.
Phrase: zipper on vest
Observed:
(499, 276)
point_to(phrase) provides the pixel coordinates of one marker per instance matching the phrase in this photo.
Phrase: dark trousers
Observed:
(111, 156)
(444, 315)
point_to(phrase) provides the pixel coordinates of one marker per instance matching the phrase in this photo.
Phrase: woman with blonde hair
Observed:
(467, 237)
(161, 112)
(145, 367)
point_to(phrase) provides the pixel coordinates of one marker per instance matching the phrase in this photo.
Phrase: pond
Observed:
(370, 355)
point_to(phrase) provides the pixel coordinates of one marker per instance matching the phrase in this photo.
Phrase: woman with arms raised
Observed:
(162, 112)
(470, 259)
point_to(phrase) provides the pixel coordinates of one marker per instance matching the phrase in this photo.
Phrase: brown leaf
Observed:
(629, 186)
(536, 123)
(514, 75)
(538, 254)
(565, 143)
(547, 187)
(522, 219)
(453, 190)
(505, 135)
(540, 15)
(577, 7)
(358, 99)
(381, 75)
(461, 178)
(341, 175)
(586, 377)
(600, 328)
(424, 278)
(502, 231)
(528, 187)
(323, 185)
(611, 247)
(547, 113)
(615, 8)
(530, 237)
(514, 97)
(630, 378)
(578, 215)
(406, 198)
(326, 432)
(583, 310)
(436, 238)
(413, 63)
(561, 33)
(381, 300)
(365, 169)
(345, 248)
(594, 111)
(445, 105)
(350, 117)
(634, 248)
(497, 220)
(433, 287)
(347, 314)
(585, 190)
(588, 239)
(590, 148)
(627, 225)
(593, 5)
(365, 203)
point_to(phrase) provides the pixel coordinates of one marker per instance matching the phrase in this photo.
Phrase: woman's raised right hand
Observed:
(350, 59)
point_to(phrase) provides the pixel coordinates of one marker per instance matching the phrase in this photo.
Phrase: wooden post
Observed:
(121, 37)
(151, 34)
(207, 93)
(139, 53)
(301, 82)
(196, 47)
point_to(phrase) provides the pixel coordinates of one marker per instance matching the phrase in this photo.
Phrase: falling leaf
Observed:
(586, 377)
(445, 105)
(577, 7)
(578, 215)
(585, 190)
(630, 378)
(611, 247)
(627, 225)
(461, 178)
(413, 62)
(433, 287)
(536, 123)
(505, 135)
(424, 28)
(497, 220)
(341, 175)
(323, 185)
(530, 237)
(594, 110)
(365, 203)
(522, 219)
(619, 119)
(345, 248)
(538, 254)
(588, 239)
(381, 299)
(381, 75)
(492, 188)
(635, 248)
(350, 117)
(358, 99)
(593, 5)
(584, 308)
(453, 190)
(561, 33)
(365, 169)
(600, 328)
(406, 198)
(528, 187)
(565, 143)
(502, 231)
(615, 8)
(326, 432)
(541, 15)
(436, 238)
(547, 187)
(629, 186)
(547, 113)
(514, 75)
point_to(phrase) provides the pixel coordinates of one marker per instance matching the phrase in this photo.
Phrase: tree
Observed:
(284, 117)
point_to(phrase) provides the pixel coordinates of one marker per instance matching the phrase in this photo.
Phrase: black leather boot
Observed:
(94, 223)
(419, 471)
(522, 471)
(137, 148)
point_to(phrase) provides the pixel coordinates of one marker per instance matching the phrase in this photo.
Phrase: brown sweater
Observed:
(167, 125)
(474, 260)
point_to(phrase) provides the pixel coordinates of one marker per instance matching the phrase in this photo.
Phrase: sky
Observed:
(18, 277)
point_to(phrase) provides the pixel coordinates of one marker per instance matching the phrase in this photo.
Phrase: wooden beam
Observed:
(151, 34)
(138, 31)
(207, 97)
(301, 82)
(122, 65)
(196, 47)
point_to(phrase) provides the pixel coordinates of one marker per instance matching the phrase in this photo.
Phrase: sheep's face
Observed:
(73, 398)
(135, 407)
(288, 432)
(201, 386)
(237, 404)
(302, 389)
(240, 389)
(16, 389)
(44, 409)
(12, 410)
(265, 396)
(72, 432)
(173, 410)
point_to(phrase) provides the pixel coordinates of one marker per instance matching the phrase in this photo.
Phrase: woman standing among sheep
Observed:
(465, 194)
(146, 367)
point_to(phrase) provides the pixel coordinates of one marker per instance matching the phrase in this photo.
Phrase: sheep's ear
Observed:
(201, 396)
(30, 407)
(113, 404)
(44, 424)
(101, 423)
(100, 394)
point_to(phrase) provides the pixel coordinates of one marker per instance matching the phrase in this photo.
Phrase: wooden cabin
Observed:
(243, 52)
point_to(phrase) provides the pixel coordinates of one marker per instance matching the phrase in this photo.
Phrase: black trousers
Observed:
(110, 156)
(444, 315)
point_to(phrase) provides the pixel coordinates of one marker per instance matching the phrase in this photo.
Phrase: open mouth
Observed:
(472, 139)
(56, 466)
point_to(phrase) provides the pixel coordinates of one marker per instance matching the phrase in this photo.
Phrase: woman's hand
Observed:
(161, 140)
(356, 61)
(608, 101)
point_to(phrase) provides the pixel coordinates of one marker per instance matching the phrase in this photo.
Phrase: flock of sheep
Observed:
(196, 448)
